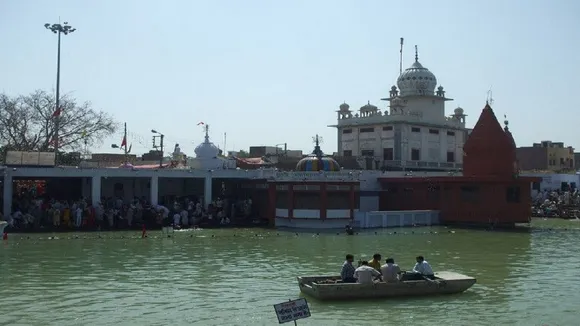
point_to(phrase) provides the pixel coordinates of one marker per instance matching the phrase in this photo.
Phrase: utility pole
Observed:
(160, 136)
(58, 29)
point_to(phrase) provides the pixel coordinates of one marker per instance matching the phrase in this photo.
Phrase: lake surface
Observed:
(233, 277)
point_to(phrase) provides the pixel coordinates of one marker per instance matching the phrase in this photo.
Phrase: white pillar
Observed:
(96, 190)
(154, 190)
(207, 190)
(7, 209)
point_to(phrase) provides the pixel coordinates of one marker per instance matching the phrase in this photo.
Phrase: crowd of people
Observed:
(369, 272)
(32, 213)
(556, 203)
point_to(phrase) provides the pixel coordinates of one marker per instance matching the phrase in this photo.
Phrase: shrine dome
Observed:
(317, 161)
(206, 149)
(417, 80)
(314, 163)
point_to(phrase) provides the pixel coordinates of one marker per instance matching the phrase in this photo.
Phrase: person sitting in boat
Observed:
(376, 262)
(347, 271)
(423, 268)
(390, 271)
(365, 274)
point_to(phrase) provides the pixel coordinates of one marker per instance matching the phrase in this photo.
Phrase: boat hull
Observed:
(446, 283)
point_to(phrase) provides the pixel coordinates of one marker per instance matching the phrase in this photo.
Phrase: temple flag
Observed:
(124, 142)
(201, 124)
(57, 112)
(129, 150)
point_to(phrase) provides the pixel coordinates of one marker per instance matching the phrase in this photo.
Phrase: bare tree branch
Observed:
(27, 123)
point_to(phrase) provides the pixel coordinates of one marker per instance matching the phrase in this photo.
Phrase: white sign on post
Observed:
(292, 310)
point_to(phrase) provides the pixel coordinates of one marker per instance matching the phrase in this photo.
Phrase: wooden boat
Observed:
(323, 288)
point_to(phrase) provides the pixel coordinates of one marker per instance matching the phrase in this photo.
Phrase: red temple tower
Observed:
(489, 192)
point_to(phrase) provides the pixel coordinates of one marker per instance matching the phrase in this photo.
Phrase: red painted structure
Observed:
(308, 195)
(489, 192)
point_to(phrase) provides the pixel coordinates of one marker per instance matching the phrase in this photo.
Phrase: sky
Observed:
(273, 72)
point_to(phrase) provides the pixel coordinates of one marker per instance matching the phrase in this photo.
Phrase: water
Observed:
(233, 277)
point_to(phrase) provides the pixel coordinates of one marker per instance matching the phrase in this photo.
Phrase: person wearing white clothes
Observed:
(78, 216)
(422, 267)
(176, 219)
(365, 274)
(390, 271)
(184, 218)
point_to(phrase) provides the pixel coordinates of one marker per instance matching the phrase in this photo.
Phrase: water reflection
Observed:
(234, 277)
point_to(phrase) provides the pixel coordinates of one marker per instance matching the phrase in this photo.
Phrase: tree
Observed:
(27, 123)
(243, 154)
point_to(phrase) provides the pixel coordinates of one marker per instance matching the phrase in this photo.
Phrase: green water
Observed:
(233, 277)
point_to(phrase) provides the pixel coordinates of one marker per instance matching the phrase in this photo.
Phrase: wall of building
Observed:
(532, 158)
(429, 108)
(553, 181)
(483, 203)
(432, 142)
(560, 158)
(386, 219)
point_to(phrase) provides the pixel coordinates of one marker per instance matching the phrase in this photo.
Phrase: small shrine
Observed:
(207, 156)
(317, 161)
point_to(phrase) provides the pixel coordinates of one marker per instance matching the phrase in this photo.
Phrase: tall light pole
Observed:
(58, 29)
(160, 136)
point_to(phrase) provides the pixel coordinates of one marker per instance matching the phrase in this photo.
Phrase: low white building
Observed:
(414, 133)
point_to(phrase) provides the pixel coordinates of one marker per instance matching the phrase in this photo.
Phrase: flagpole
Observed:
(225, 142)
(125, 138)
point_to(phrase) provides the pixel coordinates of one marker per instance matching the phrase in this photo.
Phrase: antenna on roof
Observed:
(401, 57)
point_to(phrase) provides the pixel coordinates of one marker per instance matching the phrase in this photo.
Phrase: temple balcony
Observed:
(411, 118)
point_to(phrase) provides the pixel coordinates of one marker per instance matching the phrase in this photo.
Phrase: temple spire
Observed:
(416, 54)
(206, 133)
(317, 140)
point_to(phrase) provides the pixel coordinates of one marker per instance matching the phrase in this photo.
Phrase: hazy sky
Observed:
(269, 72)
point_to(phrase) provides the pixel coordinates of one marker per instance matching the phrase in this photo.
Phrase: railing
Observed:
(385, 118)
(422, 164)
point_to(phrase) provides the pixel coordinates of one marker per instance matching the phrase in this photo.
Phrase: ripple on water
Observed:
(227, 280)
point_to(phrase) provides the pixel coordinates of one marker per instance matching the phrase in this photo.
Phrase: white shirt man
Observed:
(176, 219)
(423, 267)
(390, 271)
(184, 218)
(365, 274)
(78, 217)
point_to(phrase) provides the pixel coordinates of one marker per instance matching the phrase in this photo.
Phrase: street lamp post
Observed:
(58, 29)
(160, 136)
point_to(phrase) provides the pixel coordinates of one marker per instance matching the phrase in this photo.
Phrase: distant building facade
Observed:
(414, 133)
(546, 156)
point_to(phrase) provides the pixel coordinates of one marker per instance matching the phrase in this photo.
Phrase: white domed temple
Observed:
(414, 133)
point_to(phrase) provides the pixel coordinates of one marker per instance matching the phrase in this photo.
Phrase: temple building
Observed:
(413, 134)
(490, 191)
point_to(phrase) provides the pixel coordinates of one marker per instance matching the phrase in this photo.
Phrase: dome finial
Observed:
(206, 133)
(317, 152)
(416, 54)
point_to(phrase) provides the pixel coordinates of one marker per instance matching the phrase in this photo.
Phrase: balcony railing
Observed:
(422, 164)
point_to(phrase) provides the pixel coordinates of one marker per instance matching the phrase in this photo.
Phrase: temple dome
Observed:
(206, 149)
(313, 163)
(417, 80)
(344, 107)
(317, 161)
